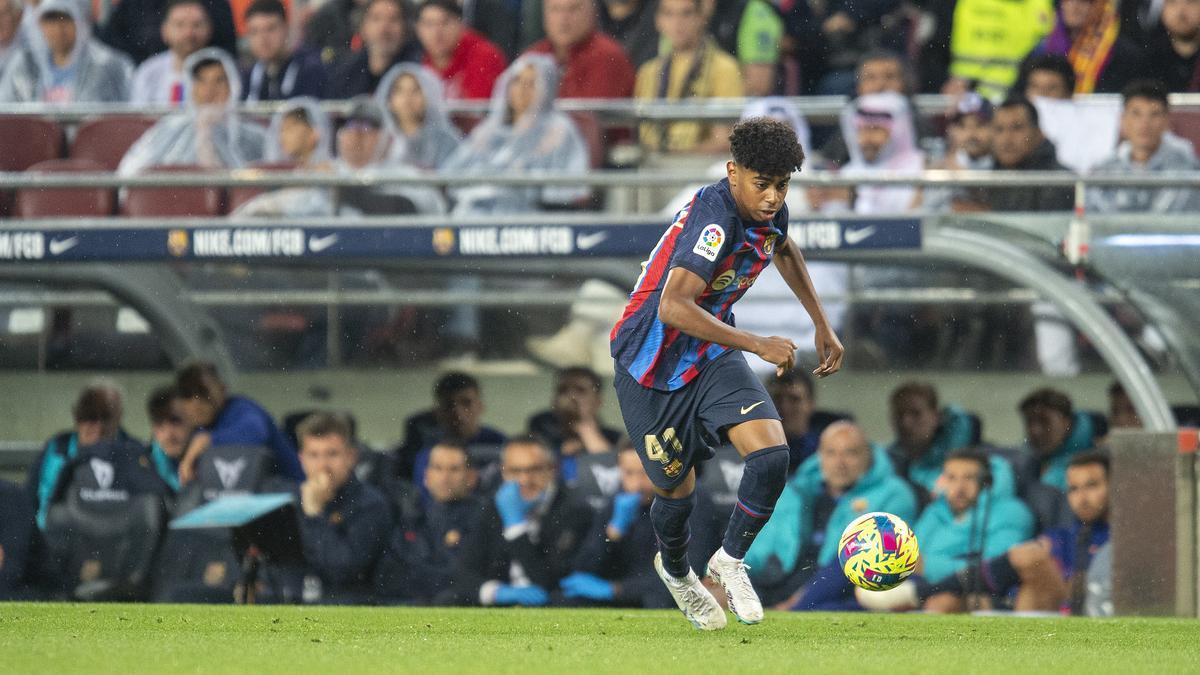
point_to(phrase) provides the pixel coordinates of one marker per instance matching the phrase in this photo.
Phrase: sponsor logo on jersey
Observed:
(723, 280)
(708, 246)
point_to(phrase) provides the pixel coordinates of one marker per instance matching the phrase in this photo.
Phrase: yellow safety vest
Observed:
(991, 37)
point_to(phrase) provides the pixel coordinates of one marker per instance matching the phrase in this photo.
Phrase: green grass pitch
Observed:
(55, 638)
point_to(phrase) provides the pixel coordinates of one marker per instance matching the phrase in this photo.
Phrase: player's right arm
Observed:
(677, 308)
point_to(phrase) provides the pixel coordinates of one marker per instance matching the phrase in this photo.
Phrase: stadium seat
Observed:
(240, 195)
(191, 201)
(1186, 124)
(105, 140)
(597, 479)
(26, 141)
(65, 202)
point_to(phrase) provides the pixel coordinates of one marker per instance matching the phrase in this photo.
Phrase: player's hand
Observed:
(512, 508)
(779, 351)
(829, 351)
(195, 447)
(627, 506)
(587, 586)
(315, 493)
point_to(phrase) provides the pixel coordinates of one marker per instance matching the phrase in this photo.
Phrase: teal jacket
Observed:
(791, 525)
(1081, 439)
(954, 433)
(166, 468)
(946, 541)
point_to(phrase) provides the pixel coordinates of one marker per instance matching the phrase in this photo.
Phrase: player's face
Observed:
(915, 423)
(1087, 492)
(758, 196)
(460, 413)
(1121, 413)
(1047, 84)
(448, 478)
(633, 475)
(576, 398)
(961, 483)
(872, 139)
(528, 466)
(331, 455)
(880, 75)
(297, 139)
(1016, 136)
(975, 136)
(1143, 123)
(1046, 429)
(844, 459)
(795, 405)
(171, 434)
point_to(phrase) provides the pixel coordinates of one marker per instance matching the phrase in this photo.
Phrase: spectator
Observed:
(593, 64)
(16, 538)
(168, 435)
(845, 479)
(466, 62)
(135, 27)
(209, 132)
(1121, 412)
(385, 41)
(278, 72)
(882, 139)
(695, 67)
(420, 564)
(361, 142)
(1019, 145)
(572, 427)
(1147, 146)
(457, 417)
(615, 567)
(1046, 76)
(631, 24)
(1054, 432)
(753, 32)
(186, 29)
(925, 434)
(969, 135)
(12, 38)
(221, 419)
(523, 133)
(300, 137)
(794, 398)
(344, 522)
(63, 64)
(989, 39)
(332, 31)
(1088, 33)
(362, 148)
(878, 72)
(97, 415)
(1173, 47)
(419, 128)
(528, 535)
(832, 39)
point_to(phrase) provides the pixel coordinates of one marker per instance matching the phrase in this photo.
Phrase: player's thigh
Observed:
(663, 429)
(735, 405)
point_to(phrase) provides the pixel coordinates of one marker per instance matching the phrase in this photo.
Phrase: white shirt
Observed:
(156, 80)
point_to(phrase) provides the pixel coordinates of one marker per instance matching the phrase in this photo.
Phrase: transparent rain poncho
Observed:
(437, 139)
(296, 202)
(212, 136)
(542, 140)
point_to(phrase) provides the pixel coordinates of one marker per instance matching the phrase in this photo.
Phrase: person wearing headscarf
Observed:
(300, 136)
(882, 138)
(208, 132)
(420, 132)
(63, 64)
(523, 133)
(1088, 33)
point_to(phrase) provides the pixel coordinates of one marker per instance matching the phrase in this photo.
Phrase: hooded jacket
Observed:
(438, 137)
(1043, 158)
(296, 202)
(779, 545)
(174, 139)
(1053, 468)
(1173, 154)
(542, 140)
(899, 155)
(955, 432)
(96, 74)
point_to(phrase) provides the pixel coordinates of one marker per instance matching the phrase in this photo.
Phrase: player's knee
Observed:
(1029, 559)
(766, 475)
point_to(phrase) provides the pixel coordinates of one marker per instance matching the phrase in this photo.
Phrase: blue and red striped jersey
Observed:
(709, 239)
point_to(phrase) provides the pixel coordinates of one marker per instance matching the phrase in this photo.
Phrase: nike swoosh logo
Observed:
(857, 236)
(318, 244)
(585, 241)
(59, 247)
(752, 407)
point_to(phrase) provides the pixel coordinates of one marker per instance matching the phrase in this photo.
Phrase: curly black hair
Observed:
(767, 146)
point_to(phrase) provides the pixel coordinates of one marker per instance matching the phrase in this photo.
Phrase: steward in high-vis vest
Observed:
(991, 37)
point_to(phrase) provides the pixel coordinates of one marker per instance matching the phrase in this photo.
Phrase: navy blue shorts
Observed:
(675, 430)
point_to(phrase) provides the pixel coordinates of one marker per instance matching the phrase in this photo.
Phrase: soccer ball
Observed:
(877, 551)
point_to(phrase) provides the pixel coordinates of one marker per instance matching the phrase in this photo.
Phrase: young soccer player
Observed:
(681, 382)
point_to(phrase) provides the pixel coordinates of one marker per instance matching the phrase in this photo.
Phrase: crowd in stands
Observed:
(459, 513)
(1011, 67)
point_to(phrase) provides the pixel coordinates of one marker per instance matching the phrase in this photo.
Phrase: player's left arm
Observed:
(790, 263)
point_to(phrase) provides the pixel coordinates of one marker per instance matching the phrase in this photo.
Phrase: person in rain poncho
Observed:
(879, 128)
(421, 134)
(63, 64)
(208, 132)
(523, 133)
(300, 136)
(12, 37)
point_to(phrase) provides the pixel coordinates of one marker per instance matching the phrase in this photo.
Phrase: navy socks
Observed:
(670, 519)
(762, 483)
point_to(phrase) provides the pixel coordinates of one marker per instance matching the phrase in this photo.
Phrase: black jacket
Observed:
(420, 562)
(1043, 158)
(343, 544)
(302, 75)
(352, 76)
(135, 27)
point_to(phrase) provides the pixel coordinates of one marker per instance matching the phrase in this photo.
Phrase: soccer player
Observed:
(681, 383)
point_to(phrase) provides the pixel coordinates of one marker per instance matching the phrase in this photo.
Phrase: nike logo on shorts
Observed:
(752, 407)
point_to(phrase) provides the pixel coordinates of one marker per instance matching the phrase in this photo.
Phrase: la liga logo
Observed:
(709, 243)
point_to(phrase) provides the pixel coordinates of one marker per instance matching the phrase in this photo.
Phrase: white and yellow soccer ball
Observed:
(878, 551)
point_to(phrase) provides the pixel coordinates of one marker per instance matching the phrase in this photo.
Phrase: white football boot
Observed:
(694, 600)
(731, 574)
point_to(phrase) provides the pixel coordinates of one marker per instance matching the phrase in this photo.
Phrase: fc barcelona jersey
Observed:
(708, 238)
